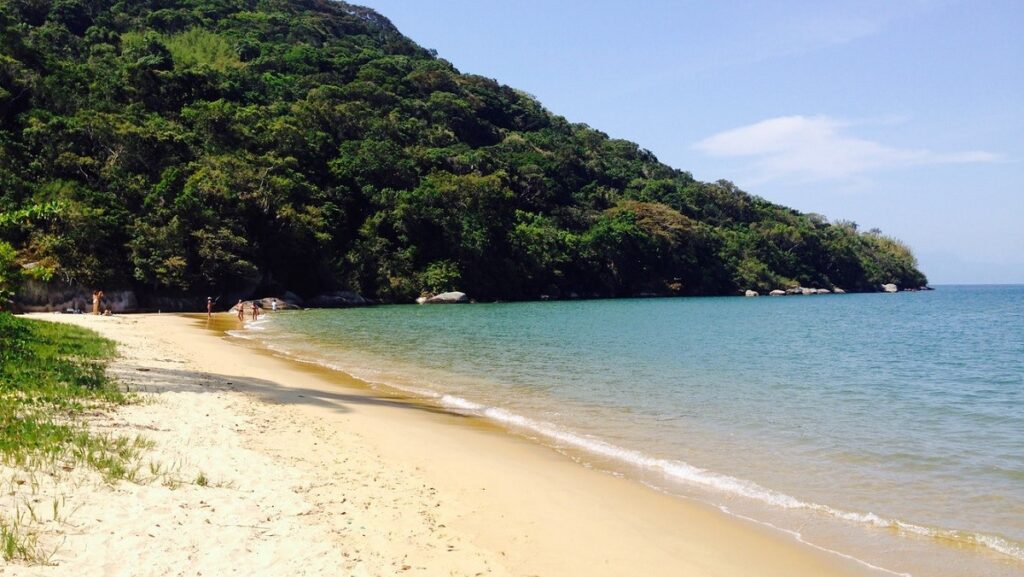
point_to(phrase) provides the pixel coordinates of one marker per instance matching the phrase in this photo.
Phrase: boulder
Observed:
(291, 298)
(890, 288)
(338, 299)
(808, 291)
(838, 291)
(40, 297)
(777, 293)
(824, 292)
(454, 297)
(751, 293)
(795, 291)
(267, 304)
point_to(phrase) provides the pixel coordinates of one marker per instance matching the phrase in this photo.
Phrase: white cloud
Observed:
(816, 148)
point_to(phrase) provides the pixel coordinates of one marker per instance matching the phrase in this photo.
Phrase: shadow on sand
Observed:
(137, 378)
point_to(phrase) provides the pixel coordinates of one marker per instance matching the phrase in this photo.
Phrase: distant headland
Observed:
(169, 151)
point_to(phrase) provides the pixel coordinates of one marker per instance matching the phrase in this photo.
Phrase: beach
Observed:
(265, 466)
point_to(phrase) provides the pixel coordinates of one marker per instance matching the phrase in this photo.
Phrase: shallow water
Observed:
(889, 428)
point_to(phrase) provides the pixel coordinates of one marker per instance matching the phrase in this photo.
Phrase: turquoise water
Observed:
(888, 428)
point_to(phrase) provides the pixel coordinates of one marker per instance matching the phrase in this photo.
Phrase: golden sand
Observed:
(308, 472)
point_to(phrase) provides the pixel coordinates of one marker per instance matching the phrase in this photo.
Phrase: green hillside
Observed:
(186, 147)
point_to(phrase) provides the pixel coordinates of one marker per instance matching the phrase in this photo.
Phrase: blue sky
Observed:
(907, 116)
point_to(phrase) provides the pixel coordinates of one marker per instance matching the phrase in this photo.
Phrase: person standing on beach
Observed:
(241, 310)
(255, 310)
(97, 296)
(209, 307)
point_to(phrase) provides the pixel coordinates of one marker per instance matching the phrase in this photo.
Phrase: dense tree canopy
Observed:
(191, 146)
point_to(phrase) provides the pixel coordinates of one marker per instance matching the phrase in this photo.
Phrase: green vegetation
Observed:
(50, 375)
(10, 274)
(184, 147)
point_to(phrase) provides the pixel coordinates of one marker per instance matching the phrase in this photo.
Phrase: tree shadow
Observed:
(136, 378)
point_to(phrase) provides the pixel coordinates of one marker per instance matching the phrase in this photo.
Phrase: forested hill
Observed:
(187, 147)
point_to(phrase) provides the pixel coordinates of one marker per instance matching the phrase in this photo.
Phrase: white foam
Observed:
(674, 470)
(460, 403)
(799, 537)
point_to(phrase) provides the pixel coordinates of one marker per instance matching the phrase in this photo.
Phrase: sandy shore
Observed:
(263, 466)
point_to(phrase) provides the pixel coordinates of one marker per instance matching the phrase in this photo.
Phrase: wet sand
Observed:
(310, 472)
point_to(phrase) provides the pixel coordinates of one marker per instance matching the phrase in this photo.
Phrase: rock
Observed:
(39, 297)
(339, 299)
(808, 291)
(795, 291)
(777, 293)
(267, 303)
(890, 288)
(291, 298)
(751, 293)
(454, 297)
(838, 291)
(824, 292)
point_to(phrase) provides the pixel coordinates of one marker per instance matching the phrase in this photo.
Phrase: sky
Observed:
(902, 115)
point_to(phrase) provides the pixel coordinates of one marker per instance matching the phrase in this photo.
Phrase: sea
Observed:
(884, 428)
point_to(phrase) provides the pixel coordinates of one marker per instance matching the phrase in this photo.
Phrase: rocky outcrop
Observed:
(890, 288)
(38, 297)
(454, 297)
(751, 293)
(777, 293)
(808, 291)
(338, 299)
(838, 291)
(292, 298)
(282, 305)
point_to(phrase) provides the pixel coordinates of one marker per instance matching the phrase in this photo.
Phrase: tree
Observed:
(10, 274)
(174, 147)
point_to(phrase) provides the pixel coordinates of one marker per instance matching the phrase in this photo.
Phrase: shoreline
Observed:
(859, 535)
(512, 505)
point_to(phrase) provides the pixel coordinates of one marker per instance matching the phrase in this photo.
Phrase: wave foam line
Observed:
(799, 537)
(679, 471)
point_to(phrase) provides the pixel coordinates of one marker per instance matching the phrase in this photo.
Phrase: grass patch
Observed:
(191, 48)
(51, 376)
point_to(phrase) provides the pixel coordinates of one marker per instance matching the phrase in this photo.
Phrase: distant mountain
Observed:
(184, 147)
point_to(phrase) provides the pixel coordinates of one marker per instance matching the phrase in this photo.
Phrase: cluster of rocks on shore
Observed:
(887, 288)
(797, 291)
(38, 297)
(449, 298)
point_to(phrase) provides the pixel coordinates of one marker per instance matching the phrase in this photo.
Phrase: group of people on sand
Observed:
(241, 310)
(254, 307)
